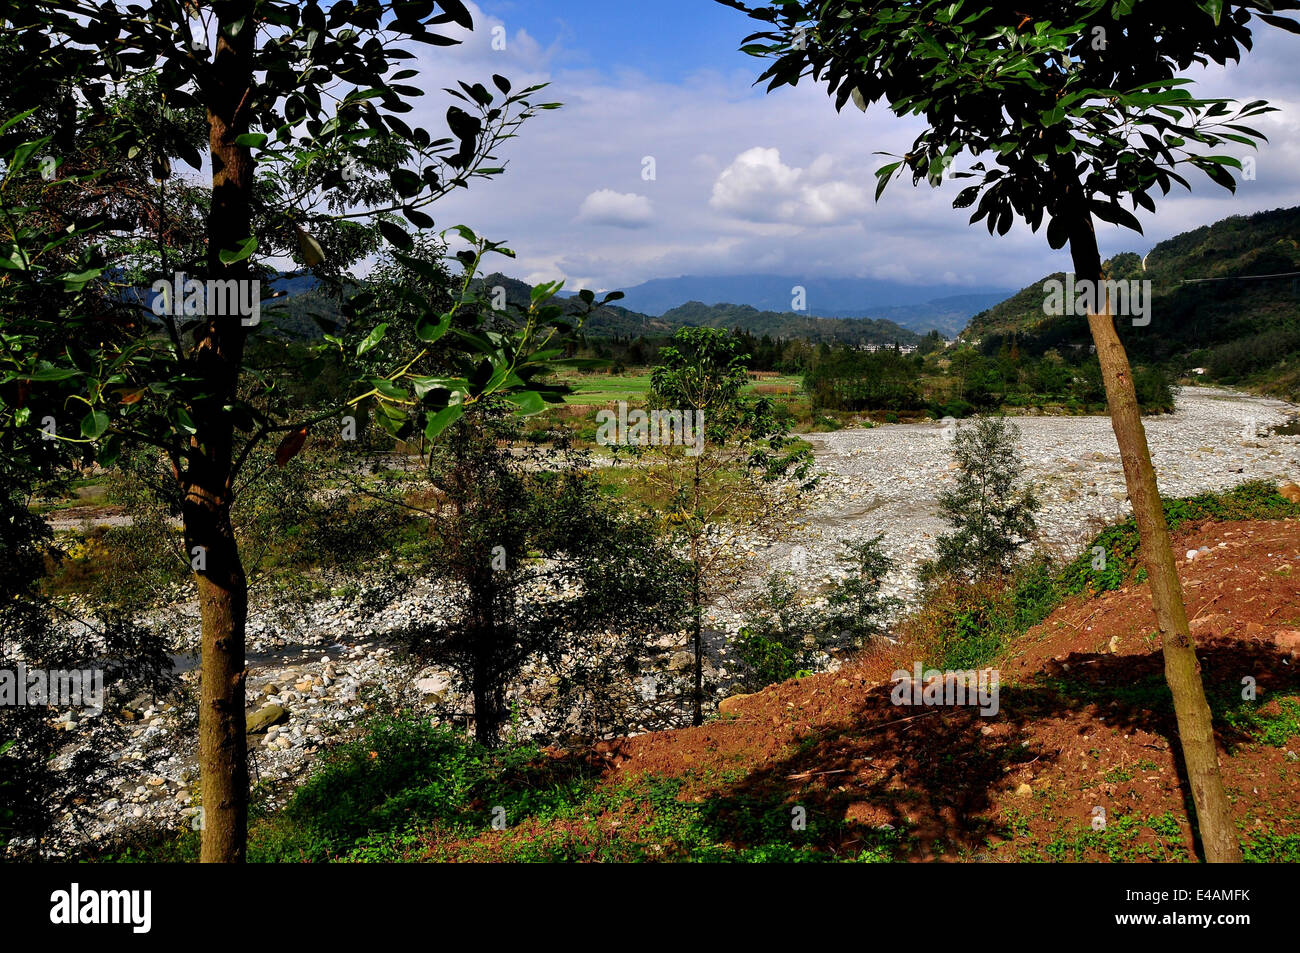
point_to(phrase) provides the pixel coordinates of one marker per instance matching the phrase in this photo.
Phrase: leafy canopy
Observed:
(1079, 103)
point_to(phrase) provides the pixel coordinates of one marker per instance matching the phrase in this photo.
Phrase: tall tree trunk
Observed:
(697, 610)
(1182, 670)
(223, 611)
(207, 480)
(697, 716)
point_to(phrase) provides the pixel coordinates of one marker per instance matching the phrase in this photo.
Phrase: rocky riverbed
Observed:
(887, 479)
(315, 669)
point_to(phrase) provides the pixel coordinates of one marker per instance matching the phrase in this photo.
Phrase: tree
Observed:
(1080, 104)
(41, 261)
(309, 159)
(508, 525)
(713, 487)
(991, 517)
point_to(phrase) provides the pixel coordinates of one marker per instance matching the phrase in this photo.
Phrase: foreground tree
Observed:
(542, 568)
(309, 158)
(40, 261)
(1080, 104)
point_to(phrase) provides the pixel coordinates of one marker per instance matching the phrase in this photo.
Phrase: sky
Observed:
(666, 160)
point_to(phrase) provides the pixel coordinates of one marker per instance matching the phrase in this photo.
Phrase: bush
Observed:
(1154, 391)
(964, 625)
(777, 641)
(406, 772)
(783, 633)
(855, 610)
(958, 409)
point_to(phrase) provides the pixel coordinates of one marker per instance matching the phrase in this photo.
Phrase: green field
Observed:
(607, 388)
(610, 388)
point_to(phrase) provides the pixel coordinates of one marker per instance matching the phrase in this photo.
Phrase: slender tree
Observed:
(1079, 104)
(713, 491)
(991, 515)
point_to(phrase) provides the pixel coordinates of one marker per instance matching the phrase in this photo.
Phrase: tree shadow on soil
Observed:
(935, 771)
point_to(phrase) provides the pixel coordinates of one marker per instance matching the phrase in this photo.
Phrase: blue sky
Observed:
(745, 182)
(663, 39)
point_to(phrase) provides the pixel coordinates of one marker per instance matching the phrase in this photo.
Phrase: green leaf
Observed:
(373, 338)
(396, 235)
(229, 256)
(417, 218)
(527, 402)
(1291, 26)
(312, 253)
(465, 232)
(429, 328)
(388, 389)
(254, 140)
(882, 175)
(181, 420)
(94, 424)
(423, 386)
(76, 281)
(48, 372)
(443, 419)
(458, 13)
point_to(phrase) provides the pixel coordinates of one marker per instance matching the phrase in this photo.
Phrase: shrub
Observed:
(990, 515)
(778, 639)
(1254, 500)
(783, 633)
(963, 624)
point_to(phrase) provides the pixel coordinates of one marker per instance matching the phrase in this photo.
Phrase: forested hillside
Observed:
(1225, 298)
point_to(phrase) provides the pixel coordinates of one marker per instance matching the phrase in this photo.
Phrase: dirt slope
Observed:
(1084, 724)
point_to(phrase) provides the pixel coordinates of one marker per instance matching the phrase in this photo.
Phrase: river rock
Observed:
(264, 718)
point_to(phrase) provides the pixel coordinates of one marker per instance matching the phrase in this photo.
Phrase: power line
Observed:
(1285, 274)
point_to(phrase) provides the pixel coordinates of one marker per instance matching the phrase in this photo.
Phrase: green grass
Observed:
(635, 387)
(409, 791)
(1127, 838)
(607, 388)
(1255, 500)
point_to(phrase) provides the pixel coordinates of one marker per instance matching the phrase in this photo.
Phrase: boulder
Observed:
(681, 661)
(433, 685)
(1288, 640)
(264, 718)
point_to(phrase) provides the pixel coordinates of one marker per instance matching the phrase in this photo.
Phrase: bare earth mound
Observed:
(1085, 726)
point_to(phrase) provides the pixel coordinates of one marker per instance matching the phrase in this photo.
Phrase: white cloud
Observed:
(800, 202)
(619, 209)
(759, 187)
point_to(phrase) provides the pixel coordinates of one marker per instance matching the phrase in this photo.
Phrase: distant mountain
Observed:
(918, 307)
(302, 301)
(1225, 297)
(789, 324)
(616, 320)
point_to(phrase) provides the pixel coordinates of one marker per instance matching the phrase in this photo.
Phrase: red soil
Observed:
(1084, 722)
